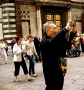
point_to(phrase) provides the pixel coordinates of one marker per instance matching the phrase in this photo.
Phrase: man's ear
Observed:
(46, 31)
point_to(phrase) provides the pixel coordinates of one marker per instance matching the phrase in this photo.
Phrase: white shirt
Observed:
(17, 53)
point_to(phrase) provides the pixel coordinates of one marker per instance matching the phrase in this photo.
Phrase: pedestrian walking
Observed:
(12, 44)
(3, 54)
(37, 47)
(6, 43)
(31, 51)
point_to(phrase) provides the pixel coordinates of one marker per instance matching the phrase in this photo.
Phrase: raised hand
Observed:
(69, 25)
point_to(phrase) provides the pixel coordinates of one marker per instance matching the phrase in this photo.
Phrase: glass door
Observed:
(56, 18)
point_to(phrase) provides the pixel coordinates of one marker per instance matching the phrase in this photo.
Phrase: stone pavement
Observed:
(74, 79)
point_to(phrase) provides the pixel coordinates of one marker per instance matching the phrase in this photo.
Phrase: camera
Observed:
(73, 25)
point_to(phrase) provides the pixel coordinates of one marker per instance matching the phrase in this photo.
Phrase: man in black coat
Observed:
(50, 50)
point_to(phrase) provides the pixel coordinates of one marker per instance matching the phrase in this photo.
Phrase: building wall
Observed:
(28, 13)
(78, 0)
(1, 29)
(76, 17)
(31, 17)
(1, 32)
(8, 21)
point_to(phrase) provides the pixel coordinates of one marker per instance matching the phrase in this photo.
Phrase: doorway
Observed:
(56, 18)
(25, 27)
(56, 14)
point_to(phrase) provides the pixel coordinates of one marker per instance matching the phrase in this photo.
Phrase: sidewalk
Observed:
(7, 77)
(74, 79)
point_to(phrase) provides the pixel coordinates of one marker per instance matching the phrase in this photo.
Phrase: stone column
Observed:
(18, 19)
(70, 15)
(39, 25)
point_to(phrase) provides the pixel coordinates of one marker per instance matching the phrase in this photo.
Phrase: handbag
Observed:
(63, 64)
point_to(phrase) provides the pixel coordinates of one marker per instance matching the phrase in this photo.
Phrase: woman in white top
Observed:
(19, 60)
(3, 54)
(30, 50)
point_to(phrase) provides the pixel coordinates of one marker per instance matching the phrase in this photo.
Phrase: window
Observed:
(49, 17)
(57, 21)
(56, 18)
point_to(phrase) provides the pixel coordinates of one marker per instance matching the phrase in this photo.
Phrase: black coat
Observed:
(50, 50)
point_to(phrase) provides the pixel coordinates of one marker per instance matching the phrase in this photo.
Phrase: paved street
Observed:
(74, 79)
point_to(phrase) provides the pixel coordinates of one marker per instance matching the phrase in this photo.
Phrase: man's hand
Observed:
(69, 25)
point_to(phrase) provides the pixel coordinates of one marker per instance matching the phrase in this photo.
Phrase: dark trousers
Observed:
(55, 84)
(31, 64)
(17, 67)
(6, 50)
(54, 78)
(39, 57)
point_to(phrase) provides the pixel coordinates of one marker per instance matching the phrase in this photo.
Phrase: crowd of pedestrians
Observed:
(25, 52)
(77, 44)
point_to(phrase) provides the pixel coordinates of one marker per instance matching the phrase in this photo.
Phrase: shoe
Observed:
(6, 62)
(34, 75)
(2, 63)
(31, 79)
(17, 81)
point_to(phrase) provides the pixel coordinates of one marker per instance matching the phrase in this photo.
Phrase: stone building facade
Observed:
(23, 17)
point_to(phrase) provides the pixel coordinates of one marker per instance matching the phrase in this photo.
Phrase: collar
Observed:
(47, 37)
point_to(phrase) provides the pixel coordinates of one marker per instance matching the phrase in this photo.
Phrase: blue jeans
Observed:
(31, 64)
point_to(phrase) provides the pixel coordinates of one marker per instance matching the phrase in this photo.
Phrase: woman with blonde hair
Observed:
(30, 50)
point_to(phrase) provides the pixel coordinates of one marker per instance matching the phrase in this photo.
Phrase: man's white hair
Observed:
(46, 26)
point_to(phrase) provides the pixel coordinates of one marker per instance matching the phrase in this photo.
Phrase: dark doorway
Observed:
(55, 14)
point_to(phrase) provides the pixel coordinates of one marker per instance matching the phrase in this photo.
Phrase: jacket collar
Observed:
(47, 37)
